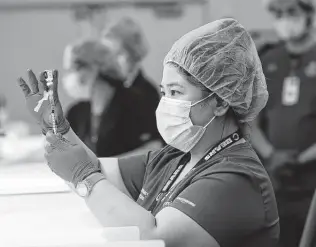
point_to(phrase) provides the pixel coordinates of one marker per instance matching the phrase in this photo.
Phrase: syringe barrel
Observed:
(48, 75)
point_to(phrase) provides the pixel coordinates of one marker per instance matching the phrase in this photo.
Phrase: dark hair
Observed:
(310, 22)
(307, 7)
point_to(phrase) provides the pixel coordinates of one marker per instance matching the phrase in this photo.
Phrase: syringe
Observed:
(48, 75)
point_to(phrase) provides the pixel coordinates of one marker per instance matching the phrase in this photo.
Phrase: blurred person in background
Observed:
(285, 133)
(130, 45)
(109, 118)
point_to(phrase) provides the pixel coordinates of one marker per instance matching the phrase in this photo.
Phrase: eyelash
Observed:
(172, 93)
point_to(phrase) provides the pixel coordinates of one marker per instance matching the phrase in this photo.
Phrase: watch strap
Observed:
(92, 180)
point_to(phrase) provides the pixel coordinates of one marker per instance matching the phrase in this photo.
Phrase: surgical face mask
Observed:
(76, 88)
(126, 65)
(175, 126)
(290, 28)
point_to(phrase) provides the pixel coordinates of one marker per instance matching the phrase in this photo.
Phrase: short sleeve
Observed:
(226, 205)
(133, 169)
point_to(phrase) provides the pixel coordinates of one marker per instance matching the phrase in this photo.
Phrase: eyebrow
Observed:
(171, 84)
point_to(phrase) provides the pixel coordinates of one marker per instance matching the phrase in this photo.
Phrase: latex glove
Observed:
(36, 96)
(69, 161)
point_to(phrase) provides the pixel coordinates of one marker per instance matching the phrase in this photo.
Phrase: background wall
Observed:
(250, 13)
(35, 38)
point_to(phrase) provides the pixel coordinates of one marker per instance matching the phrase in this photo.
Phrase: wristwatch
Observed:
(85, 187)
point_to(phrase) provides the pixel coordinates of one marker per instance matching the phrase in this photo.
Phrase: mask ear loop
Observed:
(202, 101)
(209, 122)
(195, 103)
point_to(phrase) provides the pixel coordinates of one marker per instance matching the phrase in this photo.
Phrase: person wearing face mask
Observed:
(108, 118)
(284, 135)
(130, 46)
(129, 43)
(207, 187)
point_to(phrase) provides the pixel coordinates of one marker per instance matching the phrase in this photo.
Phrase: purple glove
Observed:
(69, 161)
(36, 96)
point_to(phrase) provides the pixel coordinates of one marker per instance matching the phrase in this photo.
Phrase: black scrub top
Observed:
(230, 195)
(128, 122)
(290, 114)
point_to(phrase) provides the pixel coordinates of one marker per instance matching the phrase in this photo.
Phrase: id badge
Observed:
(291, 91)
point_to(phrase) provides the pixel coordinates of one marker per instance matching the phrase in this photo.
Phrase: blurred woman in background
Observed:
(130, 46)
(104, 118)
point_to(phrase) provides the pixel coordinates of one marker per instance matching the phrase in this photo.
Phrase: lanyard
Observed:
(219, 147)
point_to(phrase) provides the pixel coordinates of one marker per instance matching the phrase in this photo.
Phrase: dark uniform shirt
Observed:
(126, 124)
(290, 114)
(230, 195)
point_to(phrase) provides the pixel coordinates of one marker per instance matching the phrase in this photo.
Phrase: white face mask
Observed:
(175, 126)
(75, 88)
(124, 64)
(290, 28)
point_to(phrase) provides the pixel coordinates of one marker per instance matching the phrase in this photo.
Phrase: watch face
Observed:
(82, 189)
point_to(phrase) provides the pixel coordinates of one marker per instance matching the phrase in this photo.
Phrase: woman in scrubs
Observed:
(207, 187)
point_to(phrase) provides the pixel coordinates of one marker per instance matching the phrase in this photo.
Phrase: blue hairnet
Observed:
(222, 56)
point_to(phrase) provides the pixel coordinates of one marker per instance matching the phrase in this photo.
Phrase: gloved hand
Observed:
(69, 161)
(36, 96)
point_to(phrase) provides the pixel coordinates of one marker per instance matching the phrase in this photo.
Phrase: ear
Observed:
(221, 108)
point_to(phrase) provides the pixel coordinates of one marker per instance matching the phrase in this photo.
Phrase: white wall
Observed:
(36, 39)
(250, 13)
